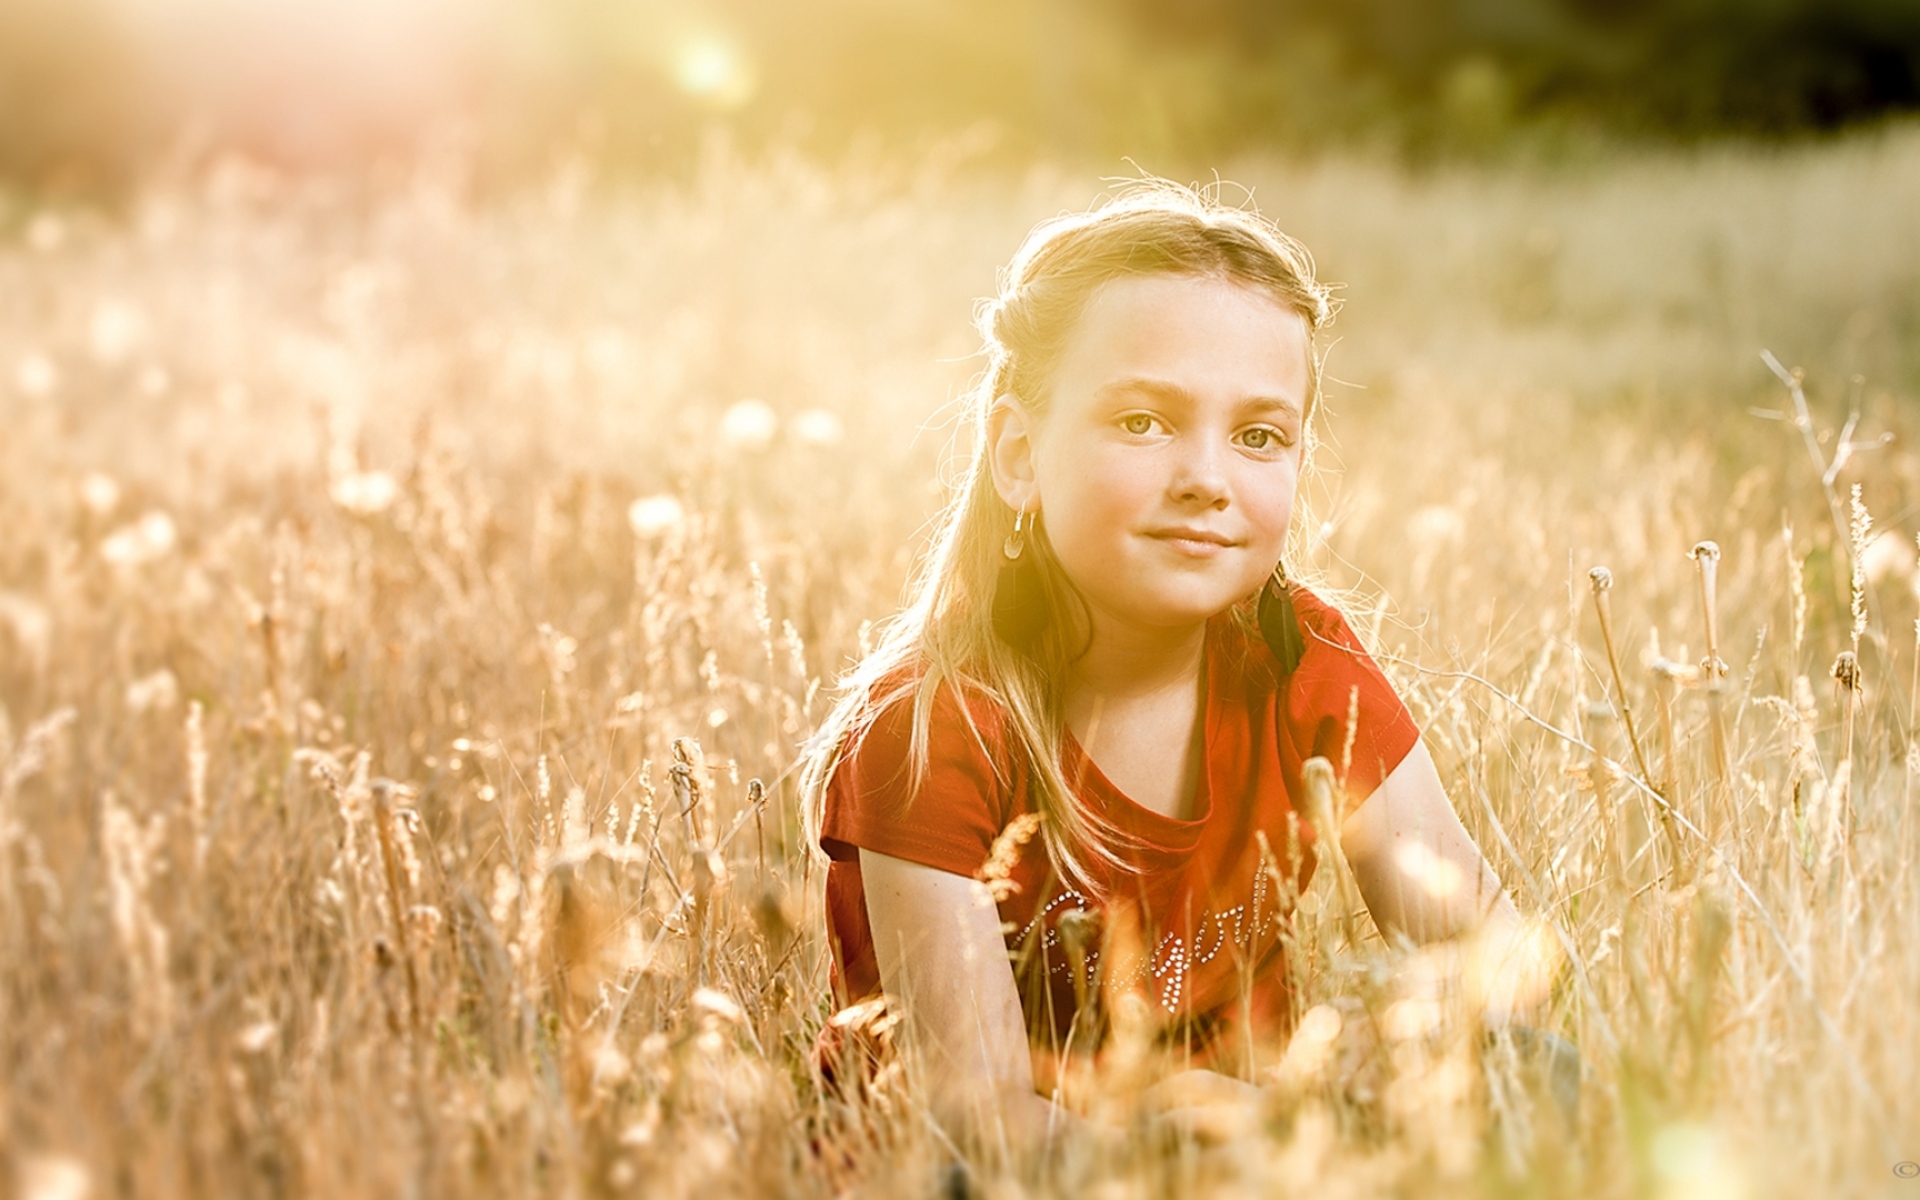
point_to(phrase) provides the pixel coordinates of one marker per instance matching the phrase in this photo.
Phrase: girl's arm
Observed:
(941, 953)
(942, 956)
(1422, 875)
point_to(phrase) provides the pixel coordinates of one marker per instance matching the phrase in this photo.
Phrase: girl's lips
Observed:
(1198, 543)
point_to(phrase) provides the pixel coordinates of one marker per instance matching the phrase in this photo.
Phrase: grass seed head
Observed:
(1846, 670)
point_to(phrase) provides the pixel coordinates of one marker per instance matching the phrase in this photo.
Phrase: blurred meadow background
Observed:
(449, 449)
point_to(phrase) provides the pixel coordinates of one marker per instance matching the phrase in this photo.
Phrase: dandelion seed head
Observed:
(653, 516)
(749, 425)
(1846, 670)
(150, 538)
(365, 493)
(818, 427)
(1321, 1023)
(100, 493)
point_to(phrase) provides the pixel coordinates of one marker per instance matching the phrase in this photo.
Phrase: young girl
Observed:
(1102, 656)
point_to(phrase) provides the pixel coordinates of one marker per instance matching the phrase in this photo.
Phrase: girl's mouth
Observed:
(1198, 543)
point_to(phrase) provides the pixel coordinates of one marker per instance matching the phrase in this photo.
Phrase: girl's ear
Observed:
(1010, 452)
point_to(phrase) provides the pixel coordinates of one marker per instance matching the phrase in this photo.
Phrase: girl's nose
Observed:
(1200, 479)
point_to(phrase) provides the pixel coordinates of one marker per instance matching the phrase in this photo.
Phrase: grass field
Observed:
(398, 604)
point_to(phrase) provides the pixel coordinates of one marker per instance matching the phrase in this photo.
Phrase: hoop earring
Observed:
(1279, 623)
(1019, 602)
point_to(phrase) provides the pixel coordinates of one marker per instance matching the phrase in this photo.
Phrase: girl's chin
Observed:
(1170, 615)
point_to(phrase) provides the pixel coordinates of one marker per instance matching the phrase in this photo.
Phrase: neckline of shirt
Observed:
(1163, 834)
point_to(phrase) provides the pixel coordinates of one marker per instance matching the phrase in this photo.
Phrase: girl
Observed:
(1105, 684)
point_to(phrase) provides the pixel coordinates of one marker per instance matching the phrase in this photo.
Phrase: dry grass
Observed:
(377, 814)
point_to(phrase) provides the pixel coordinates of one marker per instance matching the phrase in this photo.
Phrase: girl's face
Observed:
(1166, 462)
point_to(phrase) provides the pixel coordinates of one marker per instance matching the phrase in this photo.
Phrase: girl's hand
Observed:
(1421, 875)
(1204, 1105)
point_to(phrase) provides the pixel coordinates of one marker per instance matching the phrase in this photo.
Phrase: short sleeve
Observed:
(1341, 707)
(950, 822)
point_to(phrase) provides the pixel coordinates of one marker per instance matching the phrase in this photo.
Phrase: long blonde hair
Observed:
(945, 634)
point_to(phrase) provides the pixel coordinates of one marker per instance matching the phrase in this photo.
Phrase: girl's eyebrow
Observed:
(1161, 389)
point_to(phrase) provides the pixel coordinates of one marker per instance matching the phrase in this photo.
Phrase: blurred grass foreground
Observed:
(410, 611)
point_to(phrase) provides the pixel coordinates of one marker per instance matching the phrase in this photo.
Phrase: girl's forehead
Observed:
(1208, 334)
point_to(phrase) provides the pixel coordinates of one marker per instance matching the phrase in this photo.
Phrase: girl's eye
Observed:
(1139, 424)
(1262, 438)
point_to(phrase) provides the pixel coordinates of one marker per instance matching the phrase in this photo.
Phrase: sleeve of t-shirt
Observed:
(948, 823)
(1341, 706)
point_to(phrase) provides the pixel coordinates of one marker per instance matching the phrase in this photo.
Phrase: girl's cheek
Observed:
(1105, 481)
(1273, 497)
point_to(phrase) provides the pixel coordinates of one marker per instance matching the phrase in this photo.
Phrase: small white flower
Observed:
(100, 492)
(749, 425)
(151, 537)
(256, 1037)
(365, 493)
(652, 516)
(36, 376)
(818, 427)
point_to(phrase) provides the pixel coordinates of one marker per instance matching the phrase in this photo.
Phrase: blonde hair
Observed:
(945, 634)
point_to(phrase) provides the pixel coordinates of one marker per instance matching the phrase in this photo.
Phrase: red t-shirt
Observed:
(1206, 916)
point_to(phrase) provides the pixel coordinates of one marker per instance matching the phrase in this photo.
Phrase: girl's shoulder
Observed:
(1339, 703)
(924, 775)
(954, 719)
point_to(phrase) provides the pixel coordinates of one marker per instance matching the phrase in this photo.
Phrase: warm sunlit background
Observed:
(449, 449)
(94, 92)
